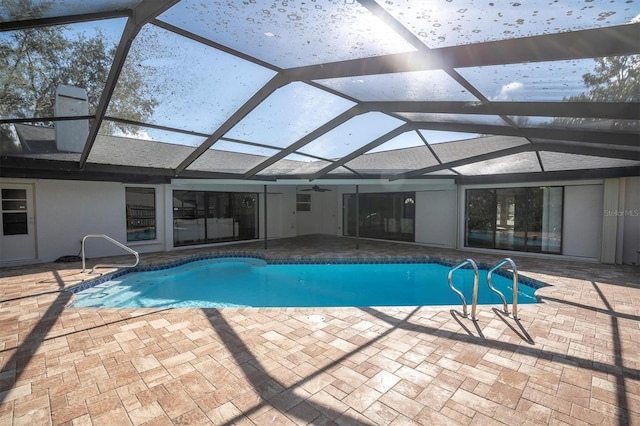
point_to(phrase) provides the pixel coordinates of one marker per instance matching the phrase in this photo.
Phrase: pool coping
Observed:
(524, 280)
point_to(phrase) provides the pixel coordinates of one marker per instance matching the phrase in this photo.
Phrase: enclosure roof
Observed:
(312, 90)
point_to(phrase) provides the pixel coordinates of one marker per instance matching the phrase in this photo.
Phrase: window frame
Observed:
(14, 206)
(303, 205)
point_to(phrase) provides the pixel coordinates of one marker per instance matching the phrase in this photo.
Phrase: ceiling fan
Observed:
(316, 188)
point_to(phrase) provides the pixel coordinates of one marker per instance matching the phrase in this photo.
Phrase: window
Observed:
(14, 212)
(141, 214)
(521, 219)
(303, 202)
(386, 216)
(201, 217)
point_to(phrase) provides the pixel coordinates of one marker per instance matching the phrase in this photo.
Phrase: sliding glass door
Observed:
(205, 217)
(520, 219)
(386, 216)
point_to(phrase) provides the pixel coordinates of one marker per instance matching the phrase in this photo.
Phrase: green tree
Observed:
(614, 79)
(33, 62)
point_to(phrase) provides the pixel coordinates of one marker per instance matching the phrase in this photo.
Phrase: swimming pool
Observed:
(250, 282)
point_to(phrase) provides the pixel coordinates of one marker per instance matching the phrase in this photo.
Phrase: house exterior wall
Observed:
(65, 211)
(323, 217)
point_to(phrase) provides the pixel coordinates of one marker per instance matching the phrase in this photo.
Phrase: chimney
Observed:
(71, 135)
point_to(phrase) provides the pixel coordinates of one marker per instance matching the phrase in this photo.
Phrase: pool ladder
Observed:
(512, 264)
(505, 261)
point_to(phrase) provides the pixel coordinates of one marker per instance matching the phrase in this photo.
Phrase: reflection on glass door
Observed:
(201, 217)
(481, 218)
(522, 219)
(387, 216)
(511, 218)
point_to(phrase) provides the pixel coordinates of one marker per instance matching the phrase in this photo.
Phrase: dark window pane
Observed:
(387, 216)
(481, 217)
(141, 214)
(534, 220)
(14, 224)
(14, 205)
(245, 214)
(511, 218)
(303, 202)
(349, 215)
(14, 194)
(551, 220)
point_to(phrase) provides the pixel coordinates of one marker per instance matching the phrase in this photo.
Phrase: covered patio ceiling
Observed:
(264, 90)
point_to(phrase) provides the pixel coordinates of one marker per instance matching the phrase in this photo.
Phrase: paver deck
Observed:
(572, 359)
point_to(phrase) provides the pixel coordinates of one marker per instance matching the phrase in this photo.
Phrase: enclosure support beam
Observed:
(357, 217)
(265, 217)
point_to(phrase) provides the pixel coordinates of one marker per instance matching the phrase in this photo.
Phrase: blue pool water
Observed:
(249, 282)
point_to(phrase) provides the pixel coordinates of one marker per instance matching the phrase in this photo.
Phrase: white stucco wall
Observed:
(436, 218)
(323, 217)
(630, 221)
(582, 223)
(66, 211)
(288, 211)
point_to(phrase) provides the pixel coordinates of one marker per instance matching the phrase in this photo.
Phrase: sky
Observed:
(199, 88)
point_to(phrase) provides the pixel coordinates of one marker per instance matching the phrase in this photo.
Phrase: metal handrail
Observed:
(515, 286)
(475, 288)
(119, 244)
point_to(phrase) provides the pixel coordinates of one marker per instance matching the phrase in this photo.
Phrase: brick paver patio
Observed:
(572, 359)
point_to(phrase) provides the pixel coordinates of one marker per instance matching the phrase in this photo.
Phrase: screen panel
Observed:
(34, 63)
(274, 122)
(349, 136)
(525, 162)
(457, 150)
(34, 9)
(290, 34)
(189, 86)
(450, 23)
(432, 85)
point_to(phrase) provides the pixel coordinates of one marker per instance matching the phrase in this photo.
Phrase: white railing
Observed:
(111, 240)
